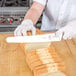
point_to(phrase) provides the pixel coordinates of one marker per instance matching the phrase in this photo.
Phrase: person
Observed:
(58, 16)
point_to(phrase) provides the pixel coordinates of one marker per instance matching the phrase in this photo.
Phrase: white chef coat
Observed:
(57, 13)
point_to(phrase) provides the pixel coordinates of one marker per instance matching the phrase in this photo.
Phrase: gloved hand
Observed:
(26, 25)
(67, 32)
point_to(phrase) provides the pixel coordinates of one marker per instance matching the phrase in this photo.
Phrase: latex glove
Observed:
(26, 25)
(67, 32)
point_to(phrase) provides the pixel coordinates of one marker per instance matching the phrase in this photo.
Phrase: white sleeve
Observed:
(43, 2)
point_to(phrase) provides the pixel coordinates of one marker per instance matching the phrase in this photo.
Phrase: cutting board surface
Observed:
(12, 56)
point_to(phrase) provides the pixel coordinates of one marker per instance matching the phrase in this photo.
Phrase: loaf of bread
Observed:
(45, 62)
(42, 59)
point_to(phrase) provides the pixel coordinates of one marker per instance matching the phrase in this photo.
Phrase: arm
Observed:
(30, 19)
(34, 12)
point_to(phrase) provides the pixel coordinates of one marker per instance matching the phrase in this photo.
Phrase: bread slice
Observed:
(46, 72)
(45, 62)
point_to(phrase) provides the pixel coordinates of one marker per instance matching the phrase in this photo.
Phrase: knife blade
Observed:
(34, 39)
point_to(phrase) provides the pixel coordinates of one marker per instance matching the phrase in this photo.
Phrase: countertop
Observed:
(13, 62)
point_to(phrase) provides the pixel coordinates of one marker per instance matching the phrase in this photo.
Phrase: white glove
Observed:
(67, 32)
(26, 25)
